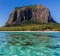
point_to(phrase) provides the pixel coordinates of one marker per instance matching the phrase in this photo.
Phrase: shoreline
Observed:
(29, 31)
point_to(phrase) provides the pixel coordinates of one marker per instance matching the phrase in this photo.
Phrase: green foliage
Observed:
(28, 26)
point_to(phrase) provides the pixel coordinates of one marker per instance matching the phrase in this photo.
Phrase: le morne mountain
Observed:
(32, 18)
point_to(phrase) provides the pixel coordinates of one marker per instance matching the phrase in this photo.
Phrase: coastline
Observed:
(29, 31)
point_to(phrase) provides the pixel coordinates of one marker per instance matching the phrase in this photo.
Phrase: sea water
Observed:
(29, 43)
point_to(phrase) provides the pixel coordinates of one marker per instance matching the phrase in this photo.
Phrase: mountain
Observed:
(34, 13)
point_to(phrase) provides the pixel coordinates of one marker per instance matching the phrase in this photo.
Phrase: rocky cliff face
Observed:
(36, 13)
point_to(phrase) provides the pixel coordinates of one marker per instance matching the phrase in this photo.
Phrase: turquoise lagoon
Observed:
(29, 43)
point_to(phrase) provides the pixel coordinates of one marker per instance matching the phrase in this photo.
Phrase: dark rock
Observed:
(54, 47)
(27, 43)
(36, 13)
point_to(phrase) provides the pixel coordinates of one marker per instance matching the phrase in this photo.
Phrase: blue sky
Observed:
(7, 6)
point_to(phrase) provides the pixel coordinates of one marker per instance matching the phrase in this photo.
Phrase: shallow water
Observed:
(29, 43)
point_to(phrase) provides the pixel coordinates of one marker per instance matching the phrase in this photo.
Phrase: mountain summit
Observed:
(35, 13)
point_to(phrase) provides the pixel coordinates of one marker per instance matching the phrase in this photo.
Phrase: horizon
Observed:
(6, 9)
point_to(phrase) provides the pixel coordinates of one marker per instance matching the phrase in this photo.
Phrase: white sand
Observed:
(29, 31)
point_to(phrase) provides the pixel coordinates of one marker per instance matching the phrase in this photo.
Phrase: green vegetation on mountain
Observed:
(28, 26)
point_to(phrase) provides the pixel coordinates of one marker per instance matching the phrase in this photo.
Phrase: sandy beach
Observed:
(29, 31)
